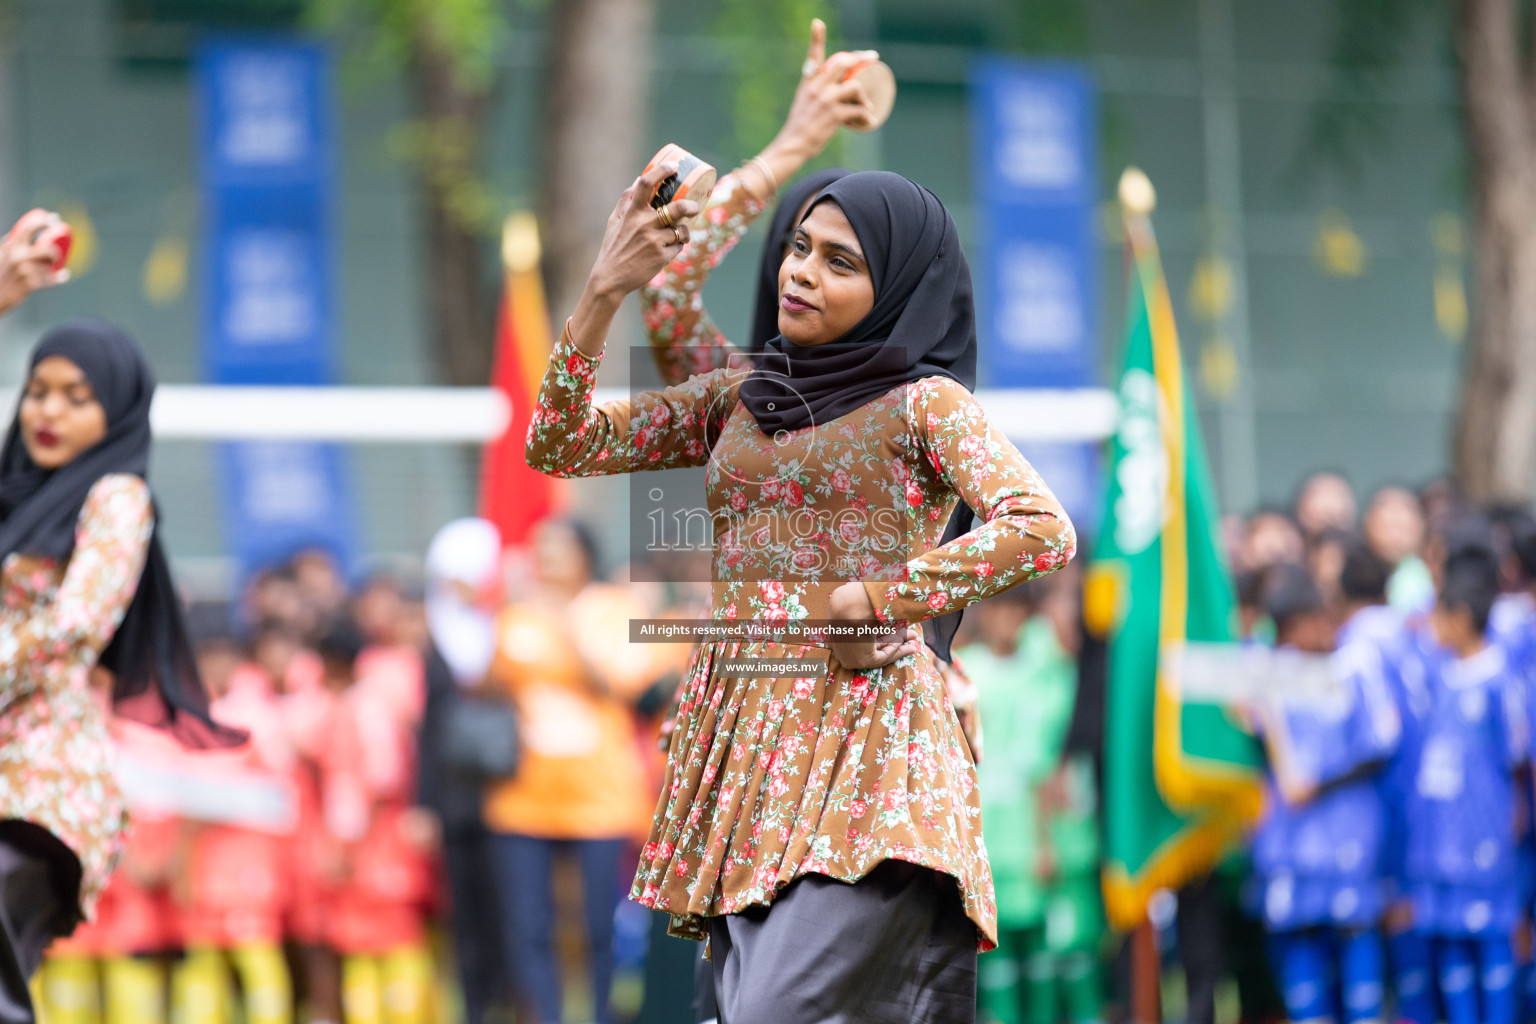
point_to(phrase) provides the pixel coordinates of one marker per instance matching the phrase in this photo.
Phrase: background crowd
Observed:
(357, 865)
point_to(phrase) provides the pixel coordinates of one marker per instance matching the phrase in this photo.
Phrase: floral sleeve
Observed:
(1025, 533)
(684, 340)
(111, 540)
(667, 429)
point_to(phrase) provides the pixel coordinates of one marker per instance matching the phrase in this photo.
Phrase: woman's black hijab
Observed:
(781, 230)
(150, 656)
(923, 324)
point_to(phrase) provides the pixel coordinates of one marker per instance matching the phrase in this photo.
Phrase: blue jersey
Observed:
(1512, 626)
(1459, 807)
(1413, 650)
(1321, 862)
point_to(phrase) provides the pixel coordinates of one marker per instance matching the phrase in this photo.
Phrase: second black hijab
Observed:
(923, 324)
(156, 681)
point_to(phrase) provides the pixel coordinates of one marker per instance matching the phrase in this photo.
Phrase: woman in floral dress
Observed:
(86, 590)
(823, 829)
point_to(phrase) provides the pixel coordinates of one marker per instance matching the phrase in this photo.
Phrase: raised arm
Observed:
(1025, 533)
(568, 435)
(111, 541)
(684, 339)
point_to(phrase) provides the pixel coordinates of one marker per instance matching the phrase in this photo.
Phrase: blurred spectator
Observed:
(1442, 502)
(1319, 850)
(563, 657)
(463, 575)
(1395, 530)
(310, 713)
(277, 650)
(273, 595)
(378, 610)
(320, 583)
(231, 886)
(1394, 524)
(1461, 889)
(381, 877)
(1325, 562)
(1253, 620)
(1271, 538)
(1043, 838)
(1326, 501)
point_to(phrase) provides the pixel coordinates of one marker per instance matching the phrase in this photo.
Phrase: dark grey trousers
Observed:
(896, 948)
(32, 914)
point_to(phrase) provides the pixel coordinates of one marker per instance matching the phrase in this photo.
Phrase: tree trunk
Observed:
(457, 244)
(1495, 446)
(595, 116)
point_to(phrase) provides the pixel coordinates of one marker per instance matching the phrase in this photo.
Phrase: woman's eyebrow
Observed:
(840, 247)
(830, 244)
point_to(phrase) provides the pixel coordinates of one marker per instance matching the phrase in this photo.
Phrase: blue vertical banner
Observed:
(266, 129)
(1034, 131)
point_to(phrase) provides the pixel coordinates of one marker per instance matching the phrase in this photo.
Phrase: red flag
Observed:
(513, 495)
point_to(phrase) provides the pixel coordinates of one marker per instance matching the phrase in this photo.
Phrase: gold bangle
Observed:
(762, 168)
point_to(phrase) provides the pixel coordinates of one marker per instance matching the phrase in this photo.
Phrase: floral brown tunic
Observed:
(771, 778)
(55, 620)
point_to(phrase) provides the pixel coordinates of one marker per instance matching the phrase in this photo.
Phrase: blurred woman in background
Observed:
(85, 582)
(463, 587)
(563, 657)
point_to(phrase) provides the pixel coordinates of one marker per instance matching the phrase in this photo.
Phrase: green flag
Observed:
(1180, 778)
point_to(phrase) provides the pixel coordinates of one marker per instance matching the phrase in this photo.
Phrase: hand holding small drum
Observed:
(879, 84)
(693, 179)
(32, 256)
(647, 227)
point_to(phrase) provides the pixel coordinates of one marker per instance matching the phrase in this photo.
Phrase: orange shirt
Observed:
(580, 774)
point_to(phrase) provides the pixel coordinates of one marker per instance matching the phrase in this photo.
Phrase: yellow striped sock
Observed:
(134, 990)
(264, 979)
(200, 988)
(71, 990)
(408, 985)
(362, 997)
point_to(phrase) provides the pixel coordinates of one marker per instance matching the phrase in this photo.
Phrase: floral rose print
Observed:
(55, 758)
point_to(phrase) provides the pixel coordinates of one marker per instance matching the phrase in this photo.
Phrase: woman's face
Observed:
(559, 557)
(60, 416)
(824, 283)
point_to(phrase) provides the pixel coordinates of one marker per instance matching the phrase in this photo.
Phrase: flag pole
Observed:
(1137, 200)
(1146, 976)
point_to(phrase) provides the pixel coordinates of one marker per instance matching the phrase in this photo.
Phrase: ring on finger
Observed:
(808, 68)
(664, 216)
(680, 234)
